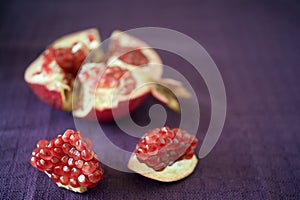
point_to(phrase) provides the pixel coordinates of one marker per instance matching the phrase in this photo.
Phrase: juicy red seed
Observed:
(64, 180)
(66, 170)
(73, 139)
(33, 161)
(65, 159)
(54, 160)
(89, 167)
(71, 161)
(71, 151)
(43, 164)
(58, 170)
(76, 154)
(79, 164)
(58, 142)
(50, 145)
(66, 135)
(55, 177)
(152, 149)
(153, 161)
(74, 183)
(161, 142)
(80, 145)
(35, 151)
(58, 152)
(91, 37)
(160, 166)
(96, 176)
(75, 172)
(42, 143)
(86, 155)
(45, 154)
(66, 148)
(82, 179)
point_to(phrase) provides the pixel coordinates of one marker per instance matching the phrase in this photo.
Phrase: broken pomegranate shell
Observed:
(69, 161)
(52, 74)
(165, 155)
(134, 60)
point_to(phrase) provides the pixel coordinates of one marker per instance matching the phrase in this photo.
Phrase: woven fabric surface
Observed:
(256, 46)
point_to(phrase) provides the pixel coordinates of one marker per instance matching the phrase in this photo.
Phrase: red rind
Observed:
(107, 115)
(51, 97)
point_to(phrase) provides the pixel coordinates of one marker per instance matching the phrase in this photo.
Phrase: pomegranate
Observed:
(52, 74)
(165, 154)
(69, 161)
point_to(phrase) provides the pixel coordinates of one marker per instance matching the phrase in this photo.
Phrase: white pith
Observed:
(80, 189)
(178, 170)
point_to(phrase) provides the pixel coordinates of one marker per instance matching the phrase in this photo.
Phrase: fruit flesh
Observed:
(69, 161)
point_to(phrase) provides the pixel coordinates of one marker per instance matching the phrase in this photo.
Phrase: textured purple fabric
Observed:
(256, 46)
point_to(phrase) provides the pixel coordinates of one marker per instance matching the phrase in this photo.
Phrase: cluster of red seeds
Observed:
(162, 147)
(69, 61)
(110, 78)
(69, 160)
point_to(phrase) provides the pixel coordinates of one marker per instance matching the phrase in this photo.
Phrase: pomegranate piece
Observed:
(165, 154)
(52, 74)
(162, 147)
(69, 161)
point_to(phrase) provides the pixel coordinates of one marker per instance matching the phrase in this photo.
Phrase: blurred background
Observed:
(255, 45)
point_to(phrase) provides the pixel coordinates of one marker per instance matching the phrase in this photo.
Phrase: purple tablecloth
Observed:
(256, 46)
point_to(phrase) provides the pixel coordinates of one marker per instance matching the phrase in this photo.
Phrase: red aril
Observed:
(69, 167)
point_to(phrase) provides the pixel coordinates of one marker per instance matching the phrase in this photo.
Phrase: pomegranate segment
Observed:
(51, 75)
(162, 147)
(69, 161)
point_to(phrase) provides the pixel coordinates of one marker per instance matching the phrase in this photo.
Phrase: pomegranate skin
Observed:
(108, 115)
(51, 97)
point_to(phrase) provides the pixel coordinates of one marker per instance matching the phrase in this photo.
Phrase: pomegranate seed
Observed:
(74, 183)
(79, 164)
(86, 155)
(96, 176)
(58, 152)
(64, 180)
(42, 143)
(83, 180)
(66, 147)
(75, 172)
(65, 159)
(89, 167)
(58, 142)
(67, 134)
(55, 178)
(45, 154)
